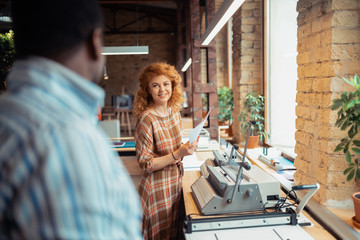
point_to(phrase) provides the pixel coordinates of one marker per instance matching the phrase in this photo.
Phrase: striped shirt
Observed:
(59, 178)
(160, 190)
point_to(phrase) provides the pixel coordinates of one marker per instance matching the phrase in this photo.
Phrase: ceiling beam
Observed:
(134, 1)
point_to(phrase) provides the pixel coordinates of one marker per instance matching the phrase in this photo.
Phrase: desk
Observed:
(337, 221)
(128, 149)
(316, 231)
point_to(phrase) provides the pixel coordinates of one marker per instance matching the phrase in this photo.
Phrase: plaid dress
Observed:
(160, 191)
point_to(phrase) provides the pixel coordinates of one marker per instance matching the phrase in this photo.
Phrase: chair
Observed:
(108, 113)
(122, 114)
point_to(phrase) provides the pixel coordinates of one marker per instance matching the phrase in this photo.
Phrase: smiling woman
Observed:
(159, 150)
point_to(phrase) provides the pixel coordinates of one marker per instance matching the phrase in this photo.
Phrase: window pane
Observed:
(281, 72)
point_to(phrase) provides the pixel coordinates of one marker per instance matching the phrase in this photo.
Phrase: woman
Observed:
(159, 150)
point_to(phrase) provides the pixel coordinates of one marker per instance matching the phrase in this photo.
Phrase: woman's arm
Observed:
(174, 157)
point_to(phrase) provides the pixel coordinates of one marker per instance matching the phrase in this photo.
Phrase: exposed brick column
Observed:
(328, 49)
(247, 57)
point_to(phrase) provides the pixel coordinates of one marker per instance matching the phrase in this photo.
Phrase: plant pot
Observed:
(253, 141)
(356, 200)
(230, 131)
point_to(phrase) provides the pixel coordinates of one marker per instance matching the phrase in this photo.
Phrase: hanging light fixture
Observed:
(186, 65)
(128, 50)
(227, 9)
(5, 14)
(125, 50)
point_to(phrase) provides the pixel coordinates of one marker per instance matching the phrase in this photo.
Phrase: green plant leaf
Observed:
(357, 174)
(338, 148)
(356, 79)
(336, 104)
(356, 143)
(349, 104)
(356, 150)
(348, 157)
(345, 124)
(349, 82)
(352, 132)
(347, 170)
(351, 175)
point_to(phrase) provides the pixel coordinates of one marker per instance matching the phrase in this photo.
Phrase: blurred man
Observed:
(59, 179)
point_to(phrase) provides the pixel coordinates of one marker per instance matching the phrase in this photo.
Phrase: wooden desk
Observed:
(337, 220)
(316, 231)
(125, 151)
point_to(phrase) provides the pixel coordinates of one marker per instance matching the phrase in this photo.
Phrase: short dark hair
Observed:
(51, 27)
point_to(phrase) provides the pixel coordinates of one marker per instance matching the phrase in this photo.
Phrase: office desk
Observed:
(128, 149)
(316, 231)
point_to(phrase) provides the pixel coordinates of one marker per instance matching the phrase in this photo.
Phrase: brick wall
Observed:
(222, 78)
(328, 49)
(222, 75)
(247, 57)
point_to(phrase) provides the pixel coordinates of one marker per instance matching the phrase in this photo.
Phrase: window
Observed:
(281, 72)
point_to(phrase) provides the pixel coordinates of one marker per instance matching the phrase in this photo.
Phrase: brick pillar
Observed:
(247, 57)
(328, 49)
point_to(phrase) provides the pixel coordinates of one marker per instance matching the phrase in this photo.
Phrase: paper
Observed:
(194, 134)
(191, 163)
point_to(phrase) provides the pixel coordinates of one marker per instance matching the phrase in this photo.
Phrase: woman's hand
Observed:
(186, 149)
(176, 156)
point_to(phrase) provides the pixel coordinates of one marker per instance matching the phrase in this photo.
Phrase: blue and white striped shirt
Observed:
(59, 178)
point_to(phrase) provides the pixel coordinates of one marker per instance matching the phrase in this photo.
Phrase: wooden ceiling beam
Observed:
(134, 1)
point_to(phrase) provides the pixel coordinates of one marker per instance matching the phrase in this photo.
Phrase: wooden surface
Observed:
(188, 179)
(132, 149)
(316, 231)
(124, 139)
(345, 215)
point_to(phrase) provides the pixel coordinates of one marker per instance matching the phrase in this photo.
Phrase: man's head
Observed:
(46, 28)
(56, 29)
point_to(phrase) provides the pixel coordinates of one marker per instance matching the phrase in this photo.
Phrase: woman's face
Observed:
(160, 89)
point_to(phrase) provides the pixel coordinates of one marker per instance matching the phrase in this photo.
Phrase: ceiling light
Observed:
(126, 50)
(186, 65)
(6, 19)
(5, 16)
(227, 9)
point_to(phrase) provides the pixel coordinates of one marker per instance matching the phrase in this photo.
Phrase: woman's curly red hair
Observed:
(143, 99)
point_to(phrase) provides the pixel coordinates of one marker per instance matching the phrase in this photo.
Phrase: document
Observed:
(194, 134)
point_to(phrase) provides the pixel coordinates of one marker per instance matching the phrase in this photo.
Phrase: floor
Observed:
(133, 168)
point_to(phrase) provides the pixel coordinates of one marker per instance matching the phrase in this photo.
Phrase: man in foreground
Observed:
(59, 178)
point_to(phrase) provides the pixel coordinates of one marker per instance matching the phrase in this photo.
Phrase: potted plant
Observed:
(205, 105)
(348, 118)
(7, 53)
(254, 107)
(225, 107)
